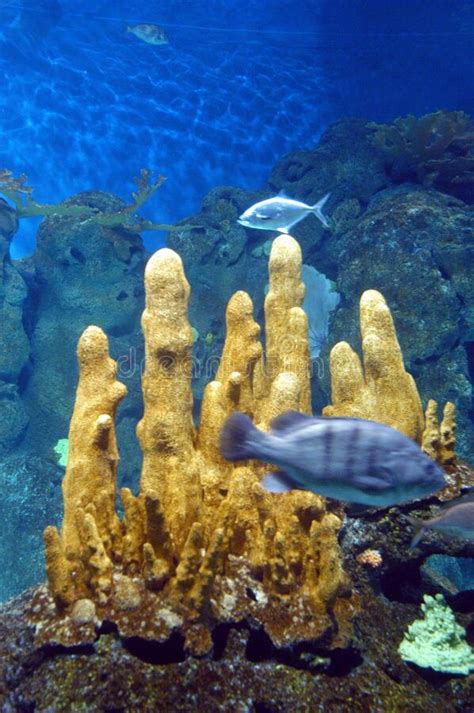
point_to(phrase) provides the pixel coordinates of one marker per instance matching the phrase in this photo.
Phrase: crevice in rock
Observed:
(60, 650)
(156, 652)
(77, 255)
(305, 656)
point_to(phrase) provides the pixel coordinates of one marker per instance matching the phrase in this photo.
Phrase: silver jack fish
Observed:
(347, 459)
(281, 213)
(455, 519)
(151, 34)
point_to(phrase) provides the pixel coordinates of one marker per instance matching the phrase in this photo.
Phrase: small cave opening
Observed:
(261, 707)
(157, 652)
(260, 647)
(403, 583)
(343, 661)
(220, 637)
(305, 655)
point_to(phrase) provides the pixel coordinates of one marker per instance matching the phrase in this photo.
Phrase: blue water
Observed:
(85, 105)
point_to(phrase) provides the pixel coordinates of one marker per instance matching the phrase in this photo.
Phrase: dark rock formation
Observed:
(14, 347)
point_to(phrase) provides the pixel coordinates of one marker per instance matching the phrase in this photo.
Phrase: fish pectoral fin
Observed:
(288, 420)
(283, 229)
(277, 482)
(262, 216)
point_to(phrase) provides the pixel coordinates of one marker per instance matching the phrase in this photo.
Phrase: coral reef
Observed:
(409, 242)
(245, 672)
(202, 543)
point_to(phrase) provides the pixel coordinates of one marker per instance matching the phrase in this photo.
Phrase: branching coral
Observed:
(382, 390)
(203, 542)
(435, 149)
(16, 190)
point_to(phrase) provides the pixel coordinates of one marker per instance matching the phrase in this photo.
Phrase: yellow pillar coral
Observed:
(93, 455)
(286, 335)
(166, 431)
(89, 482)
(202, 533)
(382, 390)
(439, 441)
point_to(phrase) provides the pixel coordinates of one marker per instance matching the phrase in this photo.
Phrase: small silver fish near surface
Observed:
(455, 520)
(281, 213)
(350, 459)
(151, 34)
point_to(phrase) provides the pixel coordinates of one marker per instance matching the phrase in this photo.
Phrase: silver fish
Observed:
(151, 34)
(349, 459)
(455, 519)
(281, 213)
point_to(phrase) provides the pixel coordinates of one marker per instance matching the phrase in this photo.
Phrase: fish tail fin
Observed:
(239, 438)
(317, 209)
(418, 525)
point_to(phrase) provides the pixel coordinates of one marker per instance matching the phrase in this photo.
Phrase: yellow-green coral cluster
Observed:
(202, 542)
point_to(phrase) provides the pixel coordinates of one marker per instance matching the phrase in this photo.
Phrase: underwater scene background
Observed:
(208, 590)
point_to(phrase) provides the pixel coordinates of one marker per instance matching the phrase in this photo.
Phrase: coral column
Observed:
(166, 431)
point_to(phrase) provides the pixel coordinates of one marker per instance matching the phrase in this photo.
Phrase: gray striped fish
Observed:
(350, 459)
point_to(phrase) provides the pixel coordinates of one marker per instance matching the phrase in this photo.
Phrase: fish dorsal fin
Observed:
(288, 420)
(283, 194)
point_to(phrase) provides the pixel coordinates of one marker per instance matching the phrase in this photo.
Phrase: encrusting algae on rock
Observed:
(203, 543)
